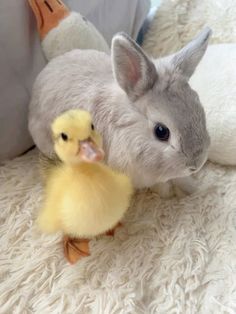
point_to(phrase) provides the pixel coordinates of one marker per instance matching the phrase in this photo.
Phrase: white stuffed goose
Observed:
(62, 30)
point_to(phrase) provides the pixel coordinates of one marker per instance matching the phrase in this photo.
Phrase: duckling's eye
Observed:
(92, 127)
(64, 137)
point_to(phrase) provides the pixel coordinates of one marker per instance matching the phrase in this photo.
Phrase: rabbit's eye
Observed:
(92, 127)
(161, 132)
(64, 137)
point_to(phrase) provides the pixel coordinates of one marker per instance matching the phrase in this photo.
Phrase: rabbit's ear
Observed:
(187, 59)
(133, 70)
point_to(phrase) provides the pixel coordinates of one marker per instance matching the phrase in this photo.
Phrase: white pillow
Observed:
(215, 82)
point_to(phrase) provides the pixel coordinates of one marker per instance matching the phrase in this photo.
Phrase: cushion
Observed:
(215, 82)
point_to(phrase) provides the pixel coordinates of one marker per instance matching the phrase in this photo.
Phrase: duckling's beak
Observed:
(90, 152)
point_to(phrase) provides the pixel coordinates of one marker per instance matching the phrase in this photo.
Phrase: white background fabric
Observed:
(170, 256)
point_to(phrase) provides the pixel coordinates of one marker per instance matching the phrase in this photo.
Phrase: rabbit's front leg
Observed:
(164, 189)
(178, 187)
(185, 186)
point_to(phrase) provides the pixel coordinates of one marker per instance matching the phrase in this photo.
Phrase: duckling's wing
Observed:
(46, 165)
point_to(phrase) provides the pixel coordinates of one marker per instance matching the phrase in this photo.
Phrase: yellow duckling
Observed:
(84, 198)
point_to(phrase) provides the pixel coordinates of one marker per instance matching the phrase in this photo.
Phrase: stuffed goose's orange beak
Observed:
(90, 152)
(48, 13)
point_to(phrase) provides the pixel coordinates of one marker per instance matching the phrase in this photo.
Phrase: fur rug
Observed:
(178, 21)
(171, 256)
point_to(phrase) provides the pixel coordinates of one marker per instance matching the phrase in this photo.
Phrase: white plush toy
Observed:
(62, 30)
(215, 82)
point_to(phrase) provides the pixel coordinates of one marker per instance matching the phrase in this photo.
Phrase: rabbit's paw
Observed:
(165, 190)
(180, 187)
(185, 186)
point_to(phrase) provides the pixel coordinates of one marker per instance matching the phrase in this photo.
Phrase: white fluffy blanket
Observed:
(171, 256)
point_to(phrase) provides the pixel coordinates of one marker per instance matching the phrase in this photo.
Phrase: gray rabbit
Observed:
(152, 122)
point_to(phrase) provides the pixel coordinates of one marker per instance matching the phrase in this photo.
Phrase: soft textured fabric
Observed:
(21, 57)
(20, 61)
(170, 256)
(215, 82)
(177, 21)
(113, 16)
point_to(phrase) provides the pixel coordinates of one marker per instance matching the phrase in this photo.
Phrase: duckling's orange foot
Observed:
(75, 249)
(48, 14)
(112, 231)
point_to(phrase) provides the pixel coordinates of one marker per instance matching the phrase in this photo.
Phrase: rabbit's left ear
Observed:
(133, 70)
(187, 59)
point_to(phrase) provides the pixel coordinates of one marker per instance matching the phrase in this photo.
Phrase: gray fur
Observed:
(125, 111)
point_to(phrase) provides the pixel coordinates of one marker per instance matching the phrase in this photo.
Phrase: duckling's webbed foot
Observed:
(112, 231)
(75, 249)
